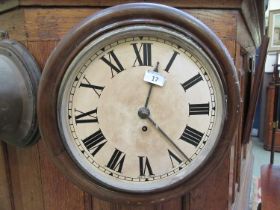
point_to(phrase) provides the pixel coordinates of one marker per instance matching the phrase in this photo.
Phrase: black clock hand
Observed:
(168, 139)
(151, 87)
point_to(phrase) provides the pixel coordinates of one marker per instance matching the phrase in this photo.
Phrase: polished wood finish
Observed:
(6, 197)
(251, 10)
(174, 3)
(270, 187)
(254, 93)
(25, 177)
(243, 197)
(40, 28)
(269, 121)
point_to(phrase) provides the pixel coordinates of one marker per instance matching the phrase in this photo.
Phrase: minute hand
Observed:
(168, 139)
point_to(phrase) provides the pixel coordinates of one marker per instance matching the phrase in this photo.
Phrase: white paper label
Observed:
(154, 78)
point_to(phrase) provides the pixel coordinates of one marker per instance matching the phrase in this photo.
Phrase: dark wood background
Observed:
(269, 113)
(28, 178)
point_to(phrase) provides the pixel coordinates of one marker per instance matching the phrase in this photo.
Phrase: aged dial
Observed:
(131, 134)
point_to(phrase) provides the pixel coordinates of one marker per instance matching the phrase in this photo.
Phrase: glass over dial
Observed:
(141, 135)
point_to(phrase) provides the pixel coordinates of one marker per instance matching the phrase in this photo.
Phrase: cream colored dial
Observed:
(130, 134)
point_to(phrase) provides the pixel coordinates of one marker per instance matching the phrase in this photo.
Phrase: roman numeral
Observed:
(171, 61)
(146, 58)
(192, 136)
(95, 142)
(86, 117)
(117, 67)
(199, 109)
(173, 157)
(145, 166)
(116, 161)
(191, 82)
(95, 88)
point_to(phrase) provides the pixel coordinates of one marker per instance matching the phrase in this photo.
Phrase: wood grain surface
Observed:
(102, 3)
(6, 196)
(26, 178)
(213, 192)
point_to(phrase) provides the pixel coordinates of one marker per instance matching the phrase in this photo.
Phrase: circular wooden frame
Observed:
(99, 24)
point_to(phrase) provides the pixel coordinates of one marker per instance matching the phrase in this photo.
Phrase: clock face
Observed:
(141, 135)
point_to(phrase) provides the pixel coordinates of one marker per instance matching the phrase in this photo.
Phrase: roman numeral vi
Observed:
(145, 166)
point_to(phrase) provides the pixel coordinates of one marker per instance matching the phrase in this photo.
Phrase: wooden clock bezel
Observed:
(99, 24)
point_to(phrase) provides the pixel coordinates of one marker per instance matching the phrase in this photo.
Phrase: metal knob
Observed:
(19, 79)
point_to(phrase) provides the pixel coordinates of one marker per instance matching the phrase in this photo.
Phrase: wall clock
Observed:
(138, 103)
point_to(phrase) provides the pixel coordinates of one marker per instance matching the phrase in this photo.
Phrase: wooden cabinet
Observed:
(29, 180)
(270, 91)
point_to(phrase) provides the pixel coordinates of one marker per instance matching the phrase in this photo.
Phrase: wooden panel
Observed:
(6, 198)
(13, 23)
(231, 47)
(217, 20)
(26, 178)
(270, 187)
(59, 193)
(177, 3)
(253, 17)
(232, 173)
(129, 207)
(41, 51)
(176, 204)
(212, 194)
(171, 204)
(100, 204)
(88, 201)
(243, 196)
(39, 21)
(106, 205)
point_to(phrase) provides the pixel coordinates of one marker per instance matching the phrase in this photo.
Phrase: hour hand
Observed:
(151, 87)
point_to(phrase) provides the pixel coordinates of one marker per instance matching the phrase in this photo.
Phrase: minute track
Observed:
(111, 164)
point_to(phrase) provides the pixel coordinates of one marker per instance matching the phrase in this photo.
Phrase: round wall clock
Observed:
(138, 103)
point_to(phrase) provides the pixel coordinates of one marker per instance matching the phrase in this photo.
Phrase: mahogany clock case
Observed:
(101, 23)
